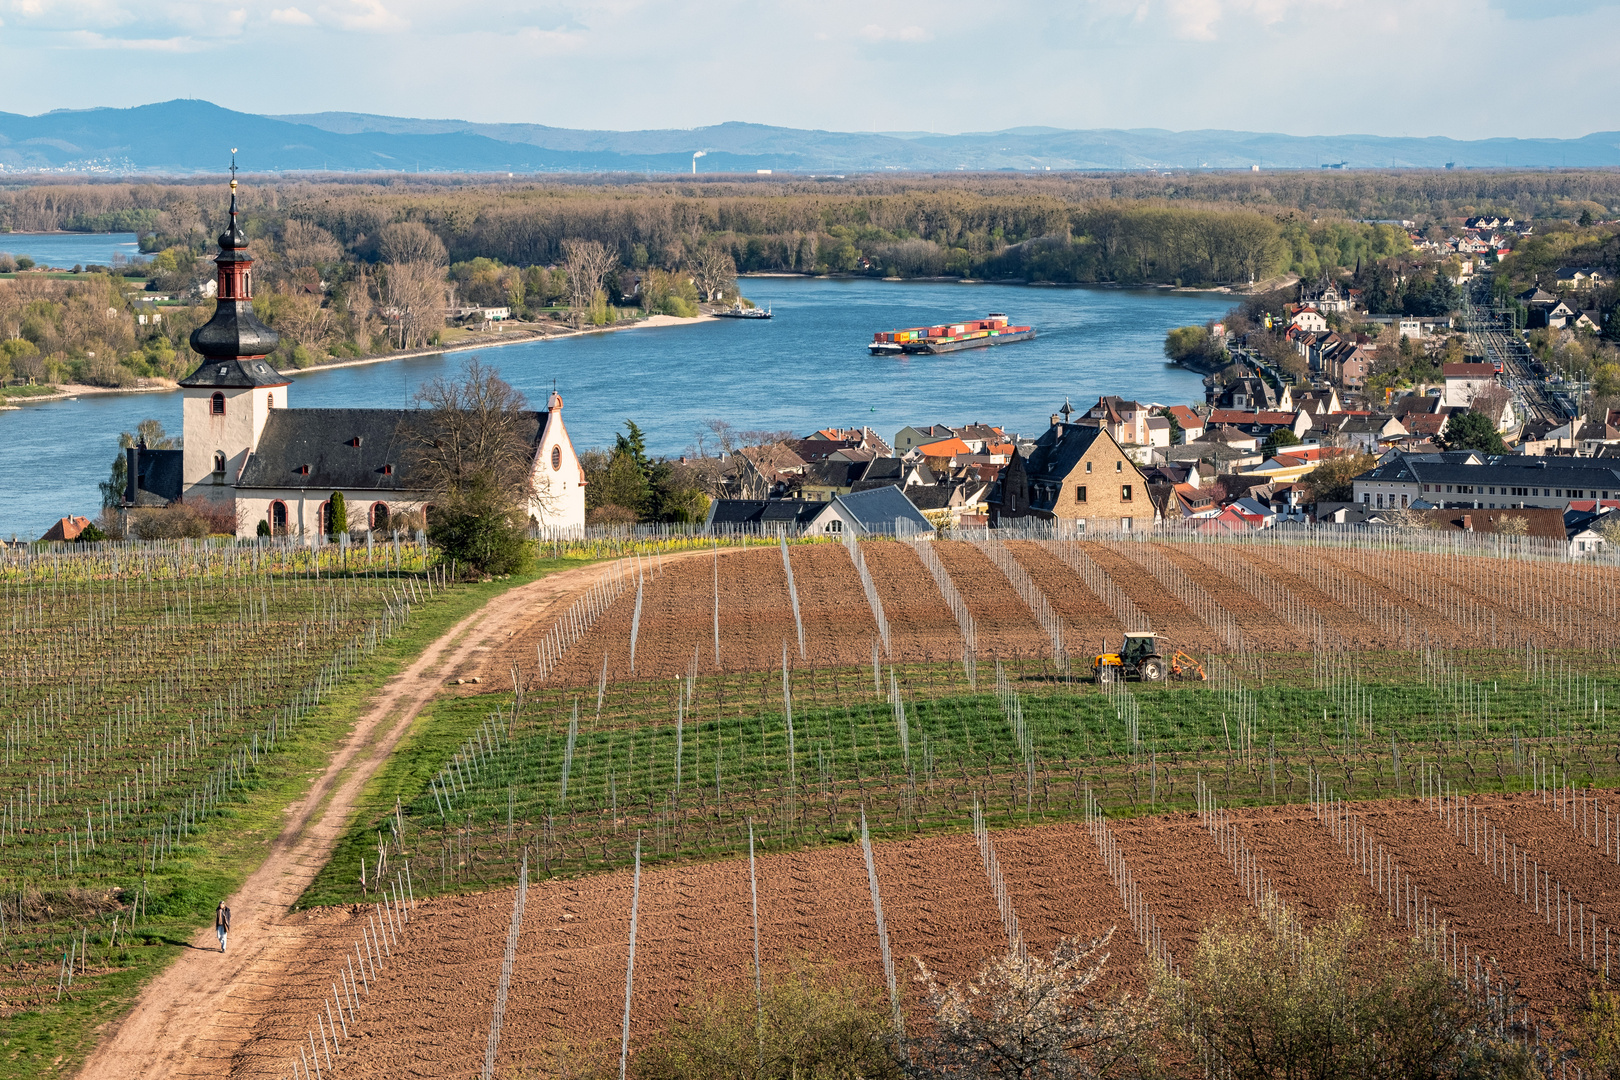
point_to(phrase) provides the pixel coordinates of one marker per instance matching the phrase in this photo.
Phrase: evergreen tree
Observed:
(337, 515)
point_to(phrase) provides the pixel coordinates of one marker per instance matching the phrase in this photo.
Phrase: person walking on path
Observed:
(222, 923)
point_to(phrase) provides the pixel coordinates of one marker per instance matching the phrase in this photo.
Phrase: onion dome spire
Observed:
(234, 331)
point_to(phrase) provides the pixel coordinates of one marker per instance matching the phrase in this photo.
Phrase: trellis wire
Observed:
(506, 969)
(793, 595)
(873, 600)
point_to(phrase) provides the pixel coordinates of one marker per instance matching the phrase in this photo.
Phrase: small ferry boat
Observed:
(993, 329)
(737, 311)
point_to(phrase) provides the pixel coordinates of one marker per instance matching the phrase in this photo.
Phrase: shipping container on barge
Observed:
(950, 337)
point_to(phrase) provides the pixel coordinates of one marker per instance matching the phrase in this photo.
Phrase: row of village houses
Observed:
(1110, 468)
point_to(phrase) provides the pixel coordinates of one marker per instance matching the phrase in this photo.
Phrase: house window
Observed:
(1403, 502)
(379, 516)
(1080, 493)
(1380, 502)
(1125, 524)
(556, 458)
(278, 517)
(1125, 493)
(1365, 498)
(217, 407)
(1119, 466)
(836, 525)
(219, 464)
(1088, 466)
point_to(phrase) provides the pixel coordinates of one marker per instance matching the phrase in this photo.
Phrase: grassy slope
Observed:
(55, 1042)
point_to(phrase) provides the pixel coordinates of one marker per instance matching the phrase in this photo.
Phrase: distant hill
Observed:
(187, 136)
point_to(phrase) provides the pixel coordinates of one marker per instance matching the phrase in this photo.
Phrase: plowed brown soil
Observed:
(1087, 620)
(1001, 620)
(431, 1012)
(920, 624)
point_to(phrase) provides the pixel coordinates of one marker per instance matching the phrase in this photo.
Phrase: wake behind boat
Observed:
(951, 337)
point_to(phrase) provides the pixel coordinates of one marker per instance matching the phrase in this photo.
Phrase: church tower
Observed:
(230, 395)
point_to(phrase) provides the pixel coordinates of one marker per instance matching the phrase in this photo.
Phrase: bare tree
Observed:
(713, 272)
(306, 244)
(415, 294)
(725, 435)
(410, 241)
(470, 444)
(588, 264)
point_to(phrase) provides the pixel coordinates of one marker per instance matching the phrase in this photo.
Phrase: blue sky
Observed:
(1463, 68)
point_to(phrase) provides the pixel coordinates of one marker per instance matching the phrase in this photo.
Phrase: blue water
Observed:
(67, 250)
(805, 369)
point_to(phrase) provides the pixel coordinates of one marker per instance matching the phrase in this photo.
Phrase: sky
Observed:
(1461, 68)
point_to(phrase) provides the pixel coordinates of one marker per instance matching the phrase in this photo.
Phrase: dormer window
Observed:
(223, 369)
(388, 470)
(217, 403)
(303, 470)
(355, 442)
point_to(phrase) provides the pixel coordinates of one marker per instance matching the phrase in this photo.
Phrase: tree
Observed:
(1026, 1016)
(469, 446)
(307, 244)
(1279, 438)
(1471, 431)
(1267, 998)
(337, 514)
(1185, 342)
(713, 272)
(1331, 481)
(1175, 426)
(588, 264)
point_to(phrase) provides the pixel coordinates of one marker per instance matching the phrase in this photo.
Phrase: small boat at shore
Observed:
(993, 329)
(737, 311)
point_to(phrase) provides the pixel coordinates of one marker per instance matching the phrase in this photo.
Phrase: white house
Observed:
(1464, 382)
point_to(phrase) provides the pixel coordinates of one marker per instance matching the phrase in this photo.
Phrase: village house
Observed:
(1496, 483)
(1076, 473)
(883, 511)
(1192, 425)
(1125, 421)
(1464, 382)
(246, 450)
(909, 438)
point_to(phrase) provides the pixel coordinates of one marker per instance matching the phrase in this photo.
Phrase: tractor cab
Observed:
(1139, 647)
(1138, 658)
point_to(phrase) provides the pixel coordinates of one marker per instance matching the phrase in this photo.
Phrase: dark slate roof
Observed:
(790, 511)
(234, 373)
(323, 439)
(159, 476)
(1511, 472)
(839, 474)
(735, 511)
(878, 510)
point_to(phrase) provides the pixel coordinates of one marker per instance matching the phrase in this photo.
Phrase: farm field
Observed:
(429, 1012)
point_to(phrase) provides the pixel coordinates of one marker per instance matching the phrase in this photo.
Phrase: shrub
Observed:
(1026, 1016)
(175, 522)
(337, 515)
(1343, 999)
(810, 1021)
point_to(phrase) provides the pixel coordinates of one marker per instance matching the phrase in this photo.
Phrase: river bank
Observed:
(518, 335)
(1254, 288)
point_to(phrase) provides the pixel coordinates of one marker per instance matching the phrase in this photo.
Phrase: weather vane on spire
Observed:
(233, 168)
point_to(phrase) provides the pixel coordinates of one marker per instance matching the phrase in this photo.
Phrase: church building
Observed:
(246, 447)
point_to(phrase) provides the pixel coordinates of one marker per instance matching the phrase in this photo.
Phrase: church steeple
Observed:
(235, 333)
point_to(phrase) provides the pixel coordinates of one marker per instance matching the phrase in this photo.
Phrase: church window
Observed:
(379, 516)
(270, 400)
(218, 405)
(278, 517)
(556, 457)
(219, 463)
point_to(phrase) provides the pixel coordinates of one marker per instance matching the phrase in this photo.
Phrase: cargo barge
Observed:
(950, 337)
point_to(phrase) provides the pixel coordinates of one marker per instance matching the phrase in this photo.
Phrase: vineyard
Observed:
(776, 696)
(1415, 725)
(149, 692)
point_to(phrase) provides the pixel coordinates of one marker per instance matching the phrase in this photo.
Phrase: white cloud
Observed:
(874, 32)
(368, 15)
(291, 17)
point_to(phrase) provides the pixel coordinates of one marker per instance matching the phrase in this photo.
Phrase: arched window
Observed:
(324, 517)
(270, 400)
(556, 457)
(219, 463)
(379, 516)
(278, 518)
(218, 407)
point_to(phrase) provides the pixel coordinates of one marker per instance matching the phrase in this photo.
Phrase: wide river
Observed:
(807, 368)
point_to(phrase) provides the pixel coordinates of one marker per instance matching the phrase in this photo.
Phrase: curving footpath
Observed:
(194, 1018)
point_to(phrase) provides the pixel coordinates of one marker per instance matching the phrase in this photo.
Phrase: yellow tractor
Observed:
(1139, 658)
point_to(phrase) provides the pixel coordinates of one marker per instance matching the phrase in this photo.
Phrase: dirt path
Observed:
(190, 1020)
